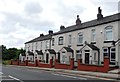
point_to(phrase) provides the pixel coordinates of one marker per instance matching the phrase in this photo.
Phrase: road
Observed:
(21, 74)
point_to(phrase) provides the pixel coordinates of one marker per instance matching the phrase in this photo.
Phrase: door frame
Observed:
(87, 53)
(47, 57)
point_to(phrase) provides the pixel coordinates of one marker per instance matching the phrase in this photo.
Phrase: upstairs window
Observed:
(36, 45)
(93, 35)
(69, 39)
(53, 41)
(80, 38)
(60, 41)
(108, 33)
(47, 45)
(41, 45)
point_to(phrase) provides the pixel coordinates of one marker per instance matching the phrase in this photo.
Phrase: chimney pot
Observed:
(62, 27)
(41, 35)
(50, 31)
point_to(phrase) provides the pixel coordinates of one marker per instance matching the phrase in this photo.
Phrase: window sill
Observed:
(108, 41)
(79, 44)
(60, 44)
(69, 45)
(93, 42)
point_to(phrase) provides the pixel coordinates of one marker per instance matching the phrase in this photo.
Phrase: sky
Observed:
(23, 20)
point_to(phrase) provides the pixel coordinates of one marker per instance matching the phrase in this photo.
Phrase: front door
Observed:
(86, 58)
(47, 57)
(59, 57)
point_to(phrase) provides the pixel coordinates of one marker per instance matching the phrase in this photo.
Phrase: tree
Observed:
(11, 53)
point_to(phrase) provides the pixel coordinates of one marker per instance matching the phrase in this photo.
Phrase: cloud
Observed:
(108, 7)
(32, 8)
(23, 20)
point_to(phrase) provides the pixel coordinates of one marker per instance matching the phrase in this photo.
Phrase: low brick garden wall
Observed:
(49, 65)
(95, 68)
(64, 66)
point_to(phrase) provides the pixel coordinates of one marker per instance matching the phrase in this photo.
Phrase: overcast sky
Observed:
(23, 20)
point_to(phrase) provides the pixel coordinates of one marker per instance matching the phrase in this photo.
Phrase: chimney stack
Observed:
(50, 32)
(62, 27)
(99, 15)
(78, 21)
(41, 35)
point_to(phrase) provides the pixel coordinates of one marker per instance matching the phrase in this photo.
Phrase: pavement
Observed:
(116, 71)
(109, 75)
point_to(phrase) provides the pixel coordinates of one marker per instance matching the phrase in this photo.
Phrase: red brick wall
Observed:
(50, 65)
(23, 63)
(14, 62)
(34, 64)
(84, 67)
(64, 66)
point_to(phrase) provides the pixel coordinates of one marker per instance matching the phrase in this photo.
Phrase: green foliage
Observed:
(11, 53)
(6, 62)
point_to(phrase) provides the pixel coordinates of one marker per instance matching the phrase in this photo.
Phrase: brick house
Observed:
(90, 41)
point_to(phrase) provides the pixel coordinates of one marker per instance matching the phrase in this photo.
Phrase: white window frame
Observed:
(80, 36)
(53, 41)
(111, 53)
(41, 45)
(93, 37)
(107, 52)
(95, 56)
(47, 44)
(36, 45)
(107, 30)
(78, 53)
(60, 40)
(70, 39)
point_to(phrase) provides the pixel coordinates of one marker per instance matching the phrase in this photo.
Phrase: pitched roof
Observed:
(39, 52)
(45, 37)
(68, 49)
(30, 53)
(84, 25)
(92, 23)
(23, 54)
(51, 51)
(93, 47)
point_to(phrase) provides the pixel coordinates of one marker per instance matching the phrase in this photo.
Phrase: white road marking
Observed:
(1, 73)
(55, 74)
(15, 78)
(70, 76)
(7, 79)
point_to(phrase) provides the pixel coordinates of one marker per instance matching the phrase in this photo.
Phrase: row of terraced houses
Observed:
(90, 41)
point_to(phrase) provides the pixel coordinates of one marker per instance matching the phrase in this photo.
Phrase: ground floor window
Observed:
(112, 54)
(105, 52)
(78, 54)
(95, 57)
(63, 58)
(109, 52)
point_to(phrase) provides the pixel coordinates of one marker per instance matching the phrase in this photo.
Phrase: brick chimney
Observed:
(41, 35)
(62, 27)
(50, 32)
(78, 21)
(99, 15)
